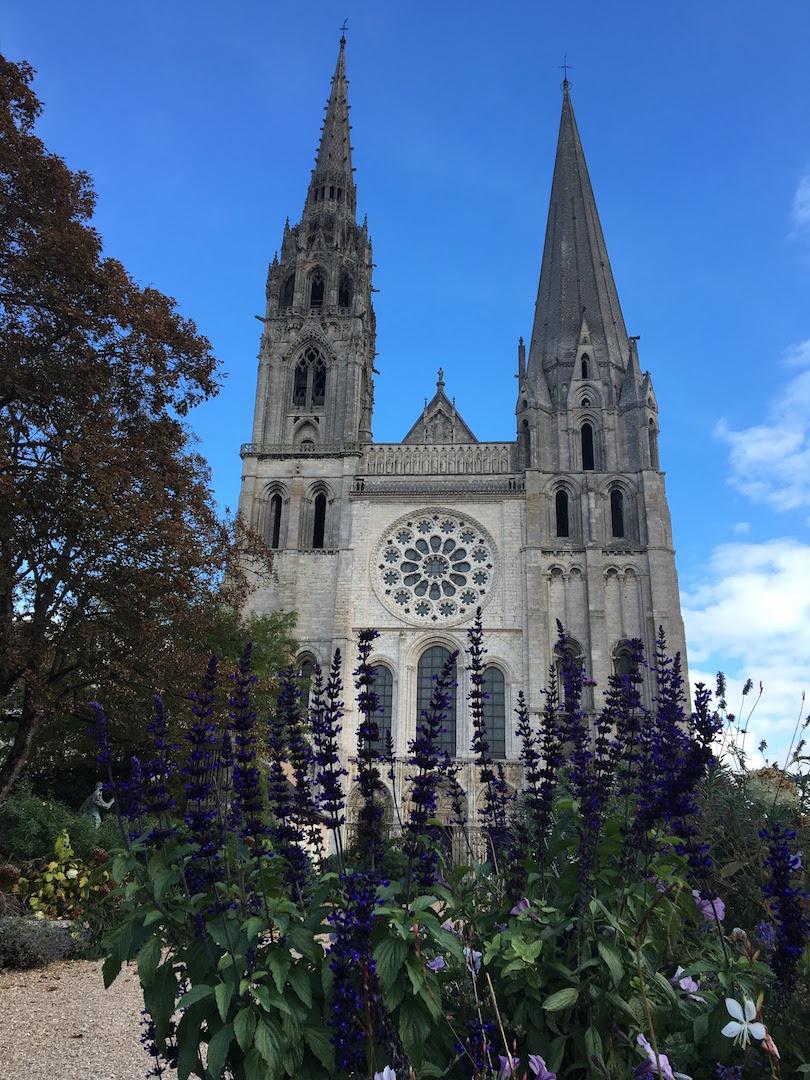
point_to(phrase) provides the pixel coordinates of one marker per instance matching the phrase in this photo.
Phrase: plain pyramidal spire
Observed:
(333, 163)
(576, 281)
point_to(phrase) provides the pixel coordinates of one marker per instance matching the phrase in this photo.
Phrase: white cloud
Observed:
(801, 204)
(750, 617)
(742, 527)
(770, 462)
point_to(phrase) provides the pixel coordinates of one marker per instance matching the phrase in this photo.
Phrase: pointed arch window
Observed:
(584, 365)
(586, 438)
(495, 711)
(319, 520)
(617, 513)
(317, 284)
(287, 294)
(384, 689)
(345, 292)
(431, 663)
(561, 513)
(652, 436)
(624, 661)
(276, 506)
(571, 659)
(306, 672)
(309, 383)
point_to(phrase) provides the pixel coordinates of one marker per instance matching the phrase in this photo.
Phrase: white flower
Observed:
(387, 1074)
(72, 873)
(740, 1028)
(473, 958)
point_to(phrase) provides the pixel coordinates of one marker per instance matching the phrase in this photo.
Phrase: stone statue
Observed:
(94, 804)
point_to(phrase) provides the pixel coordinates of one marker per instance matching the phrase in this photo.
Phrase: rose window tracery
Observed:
(435, 567)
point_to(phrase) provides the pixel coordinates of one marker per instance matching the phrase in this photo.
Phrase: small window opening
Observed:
(345, 292)
(527, 443)
(340, 194)
(624, 662)
(275, 520)
(617, 513)
(586, 403)
(561, 510)
(287, 293)
(318, 382)
(300, 388)
(316, 290)
(331, 191)
(586, 435)
(319, 521)
(652, 436)
(584, 365)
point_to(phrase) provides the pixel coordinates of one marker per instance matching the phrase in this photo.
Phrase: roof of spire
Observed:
(335, 152)
(575, 278)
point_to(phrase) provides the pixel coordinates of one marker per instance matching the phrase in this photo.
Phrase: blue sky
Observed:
(199, 123)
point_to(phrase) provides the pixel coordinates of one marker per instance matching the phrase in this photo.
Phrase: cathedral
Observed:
(568, 521)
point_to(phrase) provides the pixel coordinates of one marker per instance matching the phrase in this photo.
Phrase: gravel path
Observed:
(59, 1023)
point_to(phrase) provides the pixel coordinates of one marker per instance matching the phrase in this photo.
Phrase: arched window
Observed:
(306, 671)
(384, 689)
(584, 365)
(495, 711)
(309, 386)
(527, 444)
(345, 292)
(561, 511)
(586, 435)
(652, 435)
(573, 654)
(275, 520)
(301, 378)
(287, 293)
(316, 288)
(431, 663)
(624, 661)
(617, 513)
(319, 520)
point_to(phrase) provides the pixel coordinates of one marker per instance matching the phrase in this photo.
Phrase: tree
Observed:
(113, 560)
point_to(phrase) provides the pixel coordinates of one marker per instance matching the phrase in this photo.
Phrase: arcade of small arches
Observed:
(314, 525)
(620, 517)
(317, 286)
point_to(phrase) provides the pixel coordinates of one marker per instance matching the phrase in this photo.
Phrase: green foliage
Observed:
(30, 943)
(29, 826)
(64, 887)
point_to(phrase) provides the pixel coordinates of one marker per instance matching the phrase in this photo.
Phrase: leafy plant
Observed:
(586, 935)
(65, 886)
(29, 943)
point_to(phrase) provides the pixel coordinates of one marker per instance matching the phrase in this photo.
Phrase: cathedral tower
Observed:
(567, 522)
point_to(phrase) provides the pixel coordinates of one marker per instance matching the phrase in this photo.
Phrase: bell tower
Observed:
(316, 357)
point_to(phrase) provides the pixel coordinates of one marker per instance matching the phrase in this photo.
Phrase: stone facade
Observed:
(570, 521)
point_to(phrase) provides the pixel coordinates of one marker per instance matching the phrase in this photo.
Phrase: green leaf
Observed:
(318, 1042)
(298, 976)
(148, 960)
(279, 963)
(414, 1028)
(195, 994)
(563, 999)
(612, 957)
(162, 880)
(223, 992)
(255, 1068)
(161, 998)
(111, 969)
(416, 973)
(389, 956)
(218, 1050)
(244, 1026)
(268, 1042)
(593, 1045)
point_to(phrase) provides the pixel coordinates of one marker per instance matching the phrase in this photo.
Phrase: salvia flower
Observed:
(369, 818)
(326, 714)
(743, 1025)
(709, 909)
(198, 773)
(508, 1067)
(248, 801)
(438, 963)
(157, 774)
(787, 901)
(687, 985)
(520, 907)
(656, 1065)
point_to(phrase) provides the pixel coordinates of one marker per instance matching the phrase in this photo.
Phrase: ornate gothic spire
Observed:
(576, 280)
(333, 164)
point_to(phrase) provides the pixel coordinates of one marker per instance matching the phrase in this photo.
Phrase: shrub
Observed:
(64, 887)
(586, 936)
(29, 943)
(30, 825)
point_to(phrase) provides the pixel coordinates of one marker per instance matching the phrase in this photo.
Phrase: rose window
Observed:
(434, 567)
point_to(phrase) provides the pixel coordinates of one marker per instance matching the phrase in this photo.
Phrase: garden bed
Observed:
(59, 1023)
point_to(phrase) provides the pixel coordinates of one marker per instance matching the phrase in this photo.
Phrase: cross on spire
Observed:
(564, 66)
(343, 30)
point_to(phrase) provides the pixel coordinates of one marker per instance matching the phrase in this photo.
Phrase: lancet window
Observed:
(309, 384)
(431, 663)
(495, 711)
